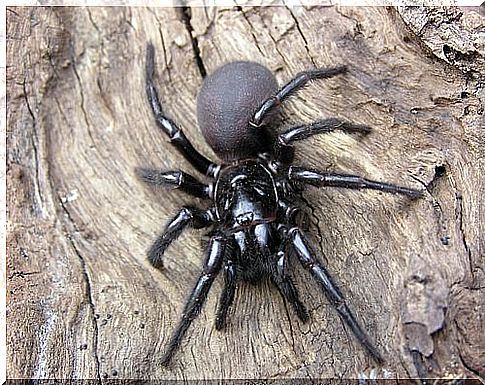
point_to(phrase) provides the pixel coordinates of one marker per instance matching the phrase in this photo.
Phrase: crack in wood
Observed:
(81, 95)
(164, 48)
(297, 23)
(89, 293)
(251, 29)
(186, 15)
(459, 218)
(39, 207)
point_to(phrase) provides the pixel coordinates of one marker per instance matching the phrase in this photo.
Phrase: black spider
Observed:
(253, 192)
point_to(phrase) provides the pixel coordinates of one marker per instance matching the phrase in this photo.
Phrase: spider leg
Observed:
(175, 134)
(287, 288)
(332, 292)
(320, 179)
(227, 296)
(213, 263)
(192, 216)
(284, 140)
(177, 179)
(290, 88)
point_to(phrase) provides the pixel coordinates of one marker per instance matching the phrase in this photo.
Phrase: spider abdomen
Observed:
(227, 101)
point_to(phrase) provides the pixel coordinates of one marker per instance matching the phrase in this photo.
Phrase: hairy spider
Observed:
(253, 216)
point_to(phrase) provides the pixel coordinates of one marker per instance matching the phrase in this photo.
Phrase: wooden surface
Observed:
(83, 302)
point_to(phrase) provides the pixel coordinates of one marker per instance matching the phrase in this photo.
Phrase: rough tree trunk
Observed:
(83, 302)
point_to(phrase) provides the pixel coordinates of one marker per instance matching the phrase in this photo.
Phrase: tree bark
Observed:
(83, 302)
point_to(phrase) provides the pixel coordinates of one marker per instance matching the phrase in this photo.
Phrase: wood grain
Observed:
(83, 302)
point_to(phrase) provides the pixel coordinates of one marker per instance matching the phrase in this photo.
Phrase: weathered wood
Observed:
(83, 302)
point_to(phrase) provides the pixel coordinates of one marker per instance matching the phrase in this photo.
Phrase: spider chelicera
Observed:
(252, 215)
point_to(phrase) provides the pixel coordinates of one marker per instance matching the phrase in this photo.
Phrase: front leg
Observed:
(332, 292)
(213, 263)
(186, 216)
(321, 179)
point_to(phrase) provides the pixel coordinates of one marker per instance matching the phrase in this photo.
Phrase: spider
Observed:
(253, 218)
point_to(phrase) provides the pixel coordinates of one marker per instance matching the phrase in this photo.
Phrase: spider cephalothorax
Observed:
(251, 196)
